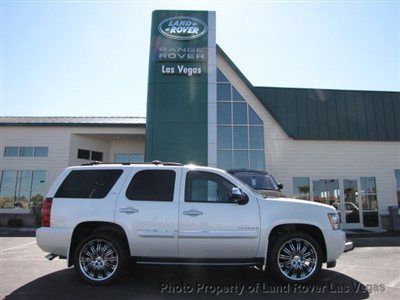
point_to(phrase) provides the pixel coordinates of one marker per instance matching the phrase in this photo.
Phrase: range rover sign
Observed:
(182, 28)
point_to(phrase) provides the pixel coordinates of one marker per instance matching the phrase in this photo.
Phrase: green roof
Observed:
(74, 121)
(324, 114)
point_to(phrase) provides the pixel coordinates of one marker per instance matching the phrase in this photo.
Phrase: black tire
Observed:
(106, 265)
(295, 266)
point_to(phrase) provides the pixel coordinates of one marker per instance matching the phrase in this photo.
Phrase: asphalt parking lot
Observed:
(372, 270)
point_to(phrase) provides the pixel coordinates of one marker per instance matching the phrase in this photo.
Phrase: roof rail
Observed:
(154, 162)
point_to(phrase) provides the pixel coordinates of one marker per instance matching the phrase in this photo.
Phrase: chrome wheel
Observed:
(98, 260)
(297, 259)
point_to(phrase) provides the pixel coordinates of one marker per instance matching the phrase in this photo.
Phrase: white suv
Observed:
(98, 216)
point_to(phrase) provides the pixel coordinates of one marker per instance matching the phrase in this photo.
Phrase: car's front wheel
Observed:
(295, 257)
(99, 259)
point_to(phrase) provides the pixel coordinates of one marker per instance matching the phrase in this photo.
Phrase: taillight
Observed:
(46, 212)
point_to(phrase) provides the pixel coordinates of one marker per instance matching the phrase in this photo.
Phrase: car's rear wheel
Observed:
(99, 259)
(295, 257)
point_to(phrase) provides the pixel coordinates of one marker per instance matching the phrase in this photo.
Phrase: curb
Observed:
(18, 229)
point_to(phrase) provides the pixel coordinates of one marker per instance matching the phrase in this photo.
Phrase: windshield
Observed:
(258, 181)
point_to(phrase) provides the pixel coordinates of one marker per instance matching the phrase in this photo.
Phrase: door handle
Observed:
(192, 212)
(128, 210)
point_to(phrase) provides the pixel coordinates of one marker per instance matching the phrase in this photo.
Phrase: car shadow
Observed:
(157, 282)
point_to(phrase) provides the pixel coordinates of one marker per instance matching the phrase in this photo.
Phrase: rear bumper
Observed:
(348, 246)
(54, 240)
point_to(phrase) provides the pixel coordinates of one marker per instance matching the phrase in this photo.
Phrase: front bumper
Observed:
(348, 246)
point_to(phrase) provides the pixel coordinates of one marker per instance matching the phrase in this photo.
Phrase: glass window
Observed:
(41, 151)
(152, 185)
(368, 185)
(24, 180)
(327, 191)
(257, 180)
(97, 156)
(256, 137)
(8, 180)
(239, 113)
(121, 157)
(88, 184)
(16, 188)
(236, 96)
(257, 159)
(254, 119)
(7, 198)
(207, 187)
(247, 136)
(240, 159)
(22, 198)
(7, 189)
(136, 158)
(26, 151)
(83, 154)
(11, 151)
(224, 114)
(301, 188)
(240, 139)
(38, 180)
(224, 137)
(221, 77)
(224, 91)
(224, 159)
(397, 175)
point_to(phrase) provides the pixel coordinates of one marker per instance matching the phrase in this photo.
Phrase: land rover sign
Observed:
(178, 89)
(182, 28)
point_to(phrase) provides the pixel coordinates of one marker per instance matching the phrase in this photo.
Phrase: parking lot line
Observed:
(19, 246)
(394, 282)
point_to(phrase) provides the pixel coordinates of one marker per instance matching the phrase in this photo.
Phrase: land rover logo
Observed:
(182, 28)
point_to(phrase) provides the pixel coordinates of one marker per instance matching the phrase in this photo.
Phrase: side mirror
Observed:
(280, 186)
(237, 196)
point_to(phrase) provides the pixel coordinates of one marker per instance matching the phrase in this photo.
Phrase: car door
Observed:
(212, 226)
(147, 209)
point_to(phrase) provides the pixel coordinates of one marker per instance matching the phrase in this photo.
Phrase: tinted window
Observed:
(88, 184)
(83, 154)
(207, 187)
(97, 156)
(152, 185)
(257, 181)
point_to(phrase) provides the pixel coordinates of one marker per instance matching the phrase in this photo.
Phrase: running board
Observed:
(193, 262)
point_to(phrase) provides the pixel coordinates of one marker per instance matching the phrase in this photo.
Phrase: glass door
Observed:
(343, 195)
(350, 206)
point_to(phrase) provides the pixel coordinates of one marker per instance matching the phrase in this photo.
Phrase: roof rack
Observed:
(154, 162)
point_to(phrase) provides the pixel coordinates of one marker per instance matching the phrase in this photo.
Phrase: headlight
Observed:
(335, 220)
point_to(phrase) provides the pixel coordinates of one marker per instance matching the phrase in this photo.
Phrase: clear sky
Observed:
(78, 58)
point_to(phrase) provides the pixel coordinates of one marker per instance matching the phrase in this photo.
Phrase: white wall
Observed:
(63, 143)
(287, 158)
(127, 145)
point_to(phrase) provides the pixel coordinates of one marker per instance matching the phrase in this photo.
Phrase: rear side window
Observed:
(93, 184)
(152, 185)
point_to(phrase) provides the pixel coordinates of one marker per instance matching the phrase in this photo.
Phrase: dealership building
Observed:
(340, 147)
